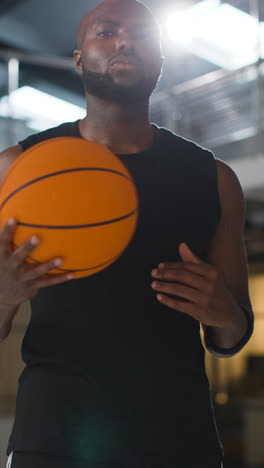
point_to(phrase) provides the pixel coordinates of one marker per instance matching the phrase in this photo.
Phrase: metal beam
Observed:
(63, 63)
(7, 5)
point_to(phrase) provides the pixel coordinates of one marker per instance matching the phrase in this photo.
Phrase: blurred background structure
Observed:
(212, 92)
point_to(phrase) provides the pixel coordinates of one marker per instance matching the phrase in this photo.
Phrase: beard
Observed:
(103, 86)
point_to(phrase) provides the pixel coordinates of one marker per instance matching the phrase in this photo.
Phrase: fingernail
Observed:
(58, 262)
(35, 240)
(11, 222)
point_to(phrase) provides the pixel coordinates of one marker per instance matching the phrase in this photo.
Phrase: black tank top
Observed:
(111, 374)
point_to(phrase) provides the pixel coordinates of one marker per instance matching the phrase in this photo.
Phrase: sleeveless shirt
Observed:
(112, 375)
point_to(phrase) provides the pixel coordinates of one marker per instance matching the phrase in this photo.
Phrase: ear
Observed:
(78, 61)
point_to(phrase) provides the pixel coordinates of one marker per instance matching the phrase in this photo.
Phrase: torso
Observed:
(11, 154)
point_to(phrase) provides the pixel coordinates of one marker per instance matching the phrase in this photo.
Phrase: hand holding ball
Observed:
(77, 197)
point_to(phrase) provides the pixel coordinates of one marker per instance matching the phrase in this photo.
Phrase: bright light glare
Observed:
(232, 32)
(182, 24)
(218, 32)
(180, 28)
(41, 110)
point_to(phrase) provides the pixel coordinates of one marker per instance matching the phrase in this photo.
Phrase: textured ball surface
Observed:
(77, 197)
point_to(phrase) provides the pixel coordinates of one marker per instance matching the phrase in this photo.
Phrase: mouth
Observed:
(123, 62)
(124, 65)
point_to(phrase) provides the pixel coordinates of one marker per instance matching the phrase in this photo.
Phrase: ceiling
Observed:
(50, 27)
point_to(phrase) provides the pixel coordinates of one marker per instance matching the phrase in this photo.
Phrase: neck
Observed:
(122, 129)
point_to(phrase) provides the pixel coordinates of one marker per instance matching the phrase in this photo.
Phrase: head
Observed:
(119, 52)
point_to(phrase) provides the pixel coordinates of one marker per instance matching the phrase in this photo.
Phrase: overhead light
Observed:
(39, 109)
(181, 25)
(217, 32)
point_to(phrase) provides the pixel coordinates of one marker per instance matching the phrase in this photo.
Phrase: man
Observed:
(114, 362)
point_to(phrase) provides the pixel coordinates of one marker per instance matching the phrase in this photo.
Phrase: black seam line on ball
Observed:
(53, 174)
(80, 226)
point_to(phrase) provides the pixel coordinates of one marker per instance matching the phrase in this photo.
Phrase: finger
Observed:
(53, 280)
(184, 276)
(7, 232)
(185, 307)
(21, 253)
(205, 270)
(179, 290)
(42, 269)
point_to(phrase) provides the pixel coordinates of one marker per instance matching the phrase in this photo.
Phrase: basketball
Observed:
(77, 197)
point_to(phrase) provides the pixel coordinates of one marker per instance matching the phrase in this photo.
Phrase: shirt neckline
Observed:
(129, 155)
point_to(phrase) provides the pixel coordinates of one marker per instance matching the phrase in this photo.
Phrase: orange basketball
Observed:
(77, 197)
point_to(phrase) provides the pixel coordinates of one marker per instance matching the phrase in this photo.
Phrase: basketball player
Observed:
(115, 373)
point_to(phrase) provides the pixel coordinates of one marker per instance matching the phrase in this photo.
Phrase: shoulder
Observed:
(190, 149)
(62, 130)
(7, 157)
(170, 136)
(11, 152)
(230, 190)
(227, 179)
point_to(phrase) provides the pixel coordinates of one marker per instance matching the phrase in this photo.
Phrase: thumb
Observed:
(187, 254)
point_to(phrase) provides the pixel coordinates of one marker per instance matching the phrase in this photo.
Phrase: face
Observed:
(119, 52)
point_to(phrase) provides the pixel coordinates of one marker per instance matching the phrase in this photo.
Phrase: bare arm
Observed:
(216, 290)
(20, 281)
(227, 253)
(7, 157)
(7, 316)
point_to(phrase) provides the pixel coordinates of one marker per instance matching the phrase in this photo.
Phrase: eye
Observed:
(105, 33)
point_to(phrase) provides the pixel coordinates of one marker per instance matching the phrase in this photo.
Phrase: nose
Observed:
(124, 42)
